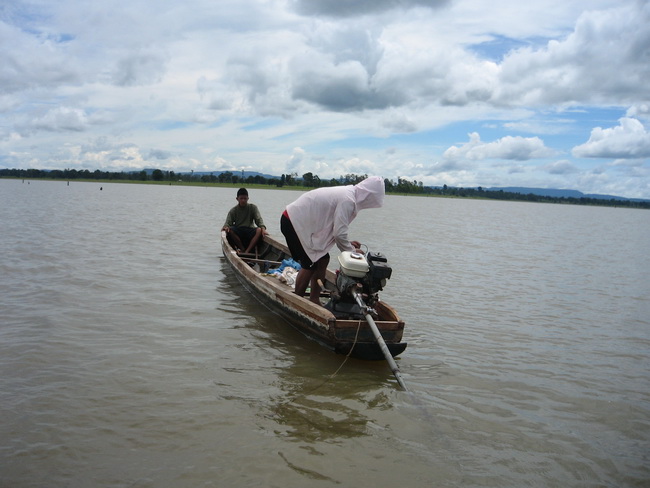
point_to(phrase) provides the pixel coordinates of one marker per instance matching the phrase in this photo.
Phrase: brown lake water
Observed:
(131, 356)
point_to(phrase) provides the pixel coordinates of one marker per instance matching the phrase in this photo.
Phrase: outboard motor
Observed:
(358, 273)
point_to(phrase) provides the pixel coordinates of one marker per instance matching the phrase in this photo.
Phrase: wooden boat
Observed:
(342, 332)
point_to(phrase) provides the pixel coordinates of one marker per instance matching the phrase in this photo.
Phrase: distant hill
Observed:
(551, 192)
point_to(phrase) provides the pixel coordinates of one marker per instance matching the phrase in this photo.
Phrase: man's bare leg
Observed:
(302, 280)
(254, 240)
(319, 274)
(234, 240)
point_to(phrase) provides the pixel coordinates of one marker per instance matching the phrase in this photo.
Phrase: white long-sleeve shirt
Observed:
(322, 217)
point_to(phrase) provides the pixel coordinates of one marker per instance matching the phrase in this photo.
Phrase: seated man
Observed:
(240, 224)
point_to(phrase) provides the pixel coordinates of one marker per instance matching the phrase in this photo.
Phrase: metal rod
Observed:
(381, 342)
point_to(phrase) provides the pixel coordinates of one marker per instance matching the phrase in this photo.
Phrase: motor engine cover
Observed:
(353, 264)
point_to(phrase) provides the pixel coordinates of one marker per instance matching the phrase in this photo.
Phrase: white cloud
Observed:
(357, 166)
(563, 167)
(629, 140)
(347, 8)
(159, 154)
(139, 69)
(639, 110)
(61, 119)
(604, 58)
(28, 61)
(398, 122)
(294, 163)
(508, 147)
(337, 87)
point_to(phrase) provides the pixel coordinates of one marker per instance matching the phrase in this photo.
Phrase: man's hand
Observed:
(357, 246)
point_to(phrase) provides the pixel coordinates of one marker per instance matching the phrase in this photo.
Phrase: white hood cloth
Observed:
(321, 217)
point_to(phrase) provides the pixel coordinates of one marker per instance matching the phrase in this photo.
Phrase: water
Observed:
(130, 355)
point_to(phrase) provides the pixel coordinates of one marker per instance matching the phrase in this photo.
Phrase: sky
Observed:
(467, 93)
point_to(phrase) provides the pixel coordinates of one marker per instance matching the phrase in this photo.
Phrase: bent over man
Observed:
(319, 219)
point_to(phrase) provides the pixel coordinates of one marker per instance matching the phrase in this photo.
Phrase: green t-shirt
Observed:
(247, 216)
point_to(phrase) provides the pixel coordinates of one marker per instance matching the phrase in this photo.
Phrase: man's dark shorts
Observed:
(297, 251)
(246, 234)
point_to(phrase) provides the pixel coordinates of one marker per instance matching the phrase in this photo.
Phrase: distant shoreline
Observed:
(257, 186)
(455, 193)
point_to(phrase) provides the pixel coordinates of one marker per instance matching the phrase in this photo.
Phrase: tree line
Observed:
(310, 180)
